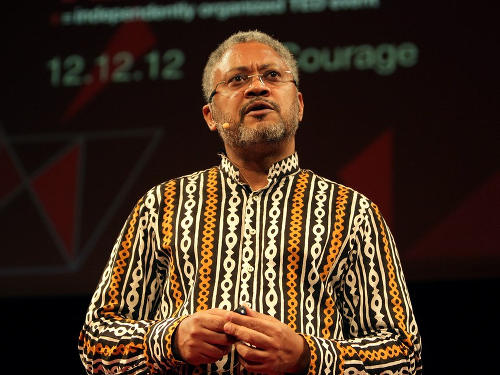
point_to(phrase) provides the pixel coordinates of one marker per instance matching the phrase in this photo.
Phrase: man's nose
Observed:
(256, 86)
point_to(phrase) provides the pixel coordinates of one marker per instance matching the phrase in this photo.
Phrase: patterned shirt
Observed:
(310, 252)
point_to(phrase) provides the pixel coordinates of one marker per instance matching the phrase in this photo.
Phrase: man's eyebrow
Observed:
(247, 69)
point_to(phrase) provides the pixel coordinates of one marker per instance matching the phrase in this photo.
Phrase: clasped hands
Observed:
(207, 336)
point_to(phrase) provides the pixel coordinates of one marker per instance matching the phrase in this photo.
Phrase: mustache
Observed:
(274, 105)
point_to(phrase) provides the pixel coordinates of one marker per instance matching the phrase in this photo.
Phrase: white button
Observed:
(247, 268)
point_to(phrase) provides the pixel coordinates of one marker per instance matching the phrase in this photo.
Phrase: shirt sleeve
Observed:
(122, 332)
(380, 334)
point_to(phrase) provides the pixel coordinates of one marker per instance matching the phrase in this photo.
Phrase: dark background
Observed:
(94, 114)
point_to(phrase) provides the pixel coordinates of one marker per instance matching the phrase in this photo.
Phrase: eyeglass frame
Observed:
(260, 75)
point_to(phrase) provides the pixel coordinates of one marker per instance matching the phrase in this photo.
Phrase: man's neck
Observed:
(254, 161)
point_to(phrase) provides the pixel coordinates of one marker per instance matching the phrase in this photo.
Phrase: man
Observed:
(313, 262)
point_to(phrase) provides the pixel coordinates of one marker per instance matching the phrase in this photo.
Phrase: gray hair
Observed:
(245, 37)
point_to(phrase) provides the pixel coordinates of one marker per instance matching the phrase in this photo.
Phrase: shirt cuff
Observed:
(172, 361)
(313, 356)
(159, 345)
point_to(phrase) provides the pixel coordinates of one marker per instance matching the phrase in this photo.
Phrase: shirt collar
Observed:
(281, 168)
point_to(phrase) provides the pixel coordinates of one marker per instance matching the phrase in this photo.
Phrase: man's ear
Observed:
(207, 115)
(301, 105)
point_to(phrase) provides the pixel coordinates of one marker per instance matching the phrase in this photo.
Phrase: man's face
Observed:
(256, 112)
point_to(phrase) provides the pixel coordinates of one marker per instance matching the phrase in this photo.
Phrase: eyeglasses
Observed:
(272, 77)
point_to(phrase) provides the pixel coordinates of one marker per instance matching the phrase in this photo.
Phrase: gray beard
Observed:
(275, 132)
(239, 135)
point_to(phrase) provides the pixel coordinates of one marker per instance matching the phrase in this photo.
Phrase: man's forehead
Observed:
(247, 56)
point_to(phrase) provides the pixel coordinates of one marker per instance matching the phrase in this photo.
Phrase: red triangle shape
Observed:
(135, 37)
(371, 173)
(463, 244)
(56, 189)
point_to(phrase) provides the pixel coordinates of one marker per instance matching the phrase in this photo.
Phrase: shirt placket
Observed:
(249, 249)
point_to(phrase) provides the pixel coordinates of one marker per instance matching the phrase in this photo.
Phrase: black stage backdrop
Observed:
(102, 100)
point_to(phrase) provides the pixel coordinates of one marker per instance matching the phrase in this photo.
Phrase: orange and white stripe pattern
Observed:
(312, 253)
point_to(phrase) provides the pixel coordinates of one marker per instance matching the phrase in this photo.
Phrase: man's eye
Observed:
(238, 78)
(272, 75)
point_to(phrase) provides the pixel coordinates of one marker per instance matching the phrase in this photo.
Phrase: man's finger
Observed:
(256, 314)
(255, 322)
(248, 335)
(216, 338)
(217, 312)
(251, 355)
(210, 320)
(215, 324)
(197, 352)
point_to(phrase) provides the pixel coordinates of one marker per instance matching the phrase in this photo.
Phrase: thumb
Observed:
(249, 311)
(254, 314)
